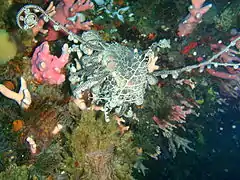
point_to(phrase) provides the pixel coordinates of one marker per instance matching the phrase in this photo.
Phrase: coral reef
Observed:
(100, 110)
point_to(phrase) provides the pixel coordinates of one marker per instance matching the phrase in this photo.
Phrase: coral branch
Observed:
(196, 11)
(50, 11)
(67, 14)
(202, 65)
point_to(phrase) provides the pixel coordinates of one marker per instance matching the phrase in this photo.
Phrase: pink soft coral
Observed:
(67, 14)
(47, 67)
(70, 9)
(196, 11)
(230, 56)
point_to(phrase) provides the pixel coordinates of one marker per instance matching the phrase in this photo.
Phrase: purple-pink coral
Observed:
(46, 67)
(196, 11)
(66, 13)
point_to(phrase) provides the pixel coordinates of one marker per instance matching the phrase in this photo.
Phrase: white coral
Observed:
(164, 43)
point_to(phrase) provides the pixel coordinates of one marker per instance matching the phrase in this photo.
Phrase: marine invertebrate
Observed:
(23, 97)
(196, 11)
(67, 13)
(47, 67)
(33, 145)
(9, 85)
(18, 125)
(229, 56)
(112, 88)
(38, 27)
(118, 76)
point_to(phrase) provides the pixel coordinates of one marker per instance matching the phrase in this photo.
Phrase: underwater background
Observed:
(119, 89)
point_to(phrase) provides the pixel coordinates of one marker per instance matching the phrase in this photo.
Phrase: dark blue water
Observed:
(218, 158)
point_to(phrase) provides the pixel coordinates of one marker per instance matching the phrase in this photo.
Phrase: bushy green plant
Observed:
(98, 151)
(15, 172)
(47, 162)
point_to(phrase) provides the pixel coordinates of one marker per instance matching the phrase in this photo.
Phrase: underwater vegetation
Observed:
(105, 153)
(98, 89)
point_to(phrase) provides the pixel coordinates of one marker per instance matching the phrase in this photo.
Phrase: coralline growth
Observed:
(115, 76)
